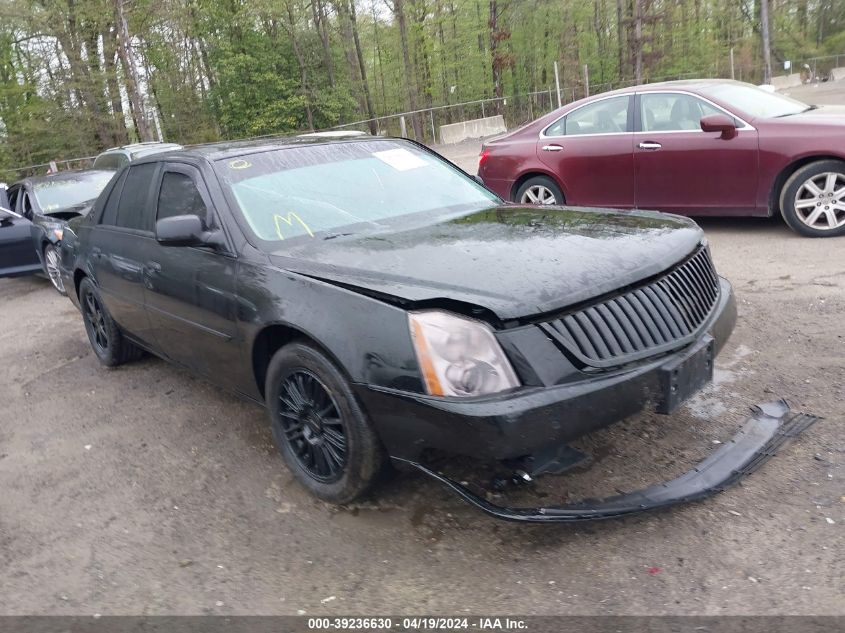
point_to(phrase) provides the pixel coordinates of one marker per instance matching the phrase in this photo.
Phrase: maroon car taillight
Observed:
(482, 157)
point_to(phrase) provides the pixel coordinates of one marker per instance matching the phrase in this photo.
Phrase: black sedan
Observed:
(384, 306)
(48, 202)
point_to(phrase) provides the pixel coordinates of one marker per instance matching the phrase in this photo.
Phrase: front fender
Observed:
(368, 338)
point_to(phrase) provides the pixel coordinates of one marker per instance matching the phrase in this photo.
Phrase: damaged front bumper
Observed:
(770, 426)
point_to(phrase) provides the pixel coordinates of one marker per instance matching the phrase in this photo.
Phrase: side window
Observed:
(14, 194)
(26, 207)
(607, 116)
(133, 208)
(179, 196)
(557, 128)
(109, 215)
(668, 112)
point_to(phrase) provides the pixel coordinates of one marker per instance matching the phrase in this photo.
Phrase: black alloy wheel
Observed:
(95, 323)
(323, 434)
(107, 341)
(311, 422)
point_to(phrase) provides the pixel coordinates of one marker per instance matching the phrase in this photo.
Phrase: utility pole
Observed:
(732, 63)
(767, 46)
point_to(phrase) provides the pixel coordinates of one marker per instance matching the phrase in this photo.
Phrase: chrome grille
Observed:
(656, 317)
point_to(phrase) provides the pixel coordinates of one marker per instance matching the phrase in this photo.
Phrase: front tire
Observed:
(539, 190)
(109, 345)
(51, 265)
(812, 200)
(323, 435)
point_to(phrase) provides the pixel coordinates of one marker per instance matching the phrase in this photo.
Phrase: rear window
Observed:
(112, 161)
(110, 209)
(132, 210)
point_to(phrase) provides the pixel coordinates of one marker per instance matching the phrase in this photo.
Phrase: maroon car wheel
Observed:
(812, 201)
(539, 190)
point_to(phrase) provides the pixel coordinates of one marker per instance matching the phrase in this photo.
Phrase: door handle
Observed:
(649, 145)
(153, 267)
(553, 148)
(96, 252)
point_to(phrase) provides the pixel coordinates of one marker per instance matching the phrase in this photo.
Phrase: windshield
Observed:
(340, 188)
(54, 195)
(757, 103)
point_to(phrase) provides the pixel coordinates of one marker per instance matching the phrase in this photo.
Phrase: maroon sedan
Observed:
(705, 147)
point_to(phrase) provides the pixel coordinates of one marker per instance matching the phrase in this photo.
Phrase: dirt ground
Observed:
(142, 490)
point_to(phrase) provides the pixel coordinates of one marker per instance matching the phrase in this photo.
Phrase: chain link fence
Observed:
(424, 125)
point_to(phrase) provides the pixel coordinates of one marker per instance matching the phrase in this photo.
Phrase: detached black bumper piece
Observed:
(770, 426)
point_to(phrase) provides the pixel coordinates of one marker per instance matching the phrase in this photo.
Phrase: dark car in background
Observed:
(697, 147)
(383, 305)
(47, 203)
(16, 255)
(116, 157)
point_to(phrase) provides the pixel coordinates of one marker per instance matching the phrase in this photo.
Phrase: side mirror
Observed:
(719, 123)
(182, 230)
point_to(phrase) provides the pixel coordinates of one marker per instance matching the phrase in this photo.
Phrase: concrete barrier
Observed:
(836, 74)
(476, 128)
(786, 81)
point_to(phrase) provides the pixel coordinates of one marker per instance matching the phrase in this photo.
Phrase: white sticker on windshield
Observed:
(400, 159)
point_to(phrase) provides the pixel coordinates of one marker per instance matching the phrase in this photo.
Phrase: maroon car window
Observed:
(606, 116)
(673, 112)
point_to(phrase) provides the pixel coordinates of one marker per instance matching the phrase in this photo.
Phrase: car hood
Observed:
(820, 115)
(515, 261)
(68, 213)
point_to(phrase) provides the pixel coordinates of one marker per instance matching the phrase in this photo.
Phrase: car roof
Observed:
(135, 147)
(230, 149)
(692, 85)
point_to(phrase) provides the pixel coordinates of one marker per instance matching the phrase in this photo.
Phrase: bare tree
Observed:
(637, 44)
(410, 75)
(130, 71)
(365, 84)
(767, 47)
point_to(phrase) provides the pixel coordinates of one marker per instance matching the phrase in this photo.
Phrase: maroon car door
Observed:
(590, 150)
(681, 169)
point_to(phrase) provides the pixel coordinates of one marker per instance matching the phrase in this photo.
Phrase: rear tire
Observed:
(325, 438)
(539, 190)
(110, 346)
(812, 201)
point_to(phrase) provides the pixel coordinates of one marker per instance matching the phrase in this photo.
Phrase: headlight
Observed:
(56, 229)
(459, 356)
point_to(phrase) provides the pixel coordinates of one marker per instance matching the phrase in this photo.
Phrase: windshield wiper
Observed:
(331, 236)
(807, 109)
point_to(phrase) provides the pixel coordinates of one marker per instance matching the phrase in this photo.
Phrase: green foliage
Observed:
(212, 69)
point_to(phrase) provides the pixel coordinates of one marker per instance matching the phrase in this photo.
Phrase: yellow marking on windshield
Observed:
(277, 219)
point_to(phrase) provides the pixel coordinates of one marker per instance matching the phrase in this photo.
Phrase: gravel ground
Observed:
(142, 490)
